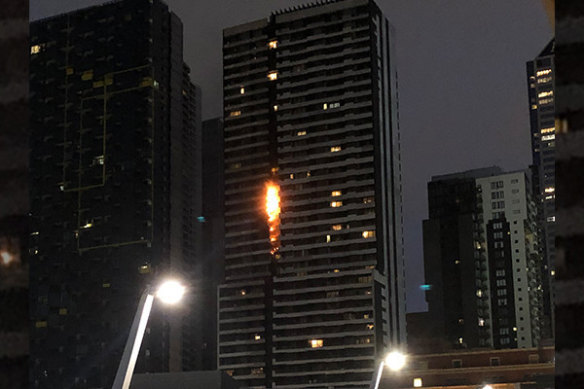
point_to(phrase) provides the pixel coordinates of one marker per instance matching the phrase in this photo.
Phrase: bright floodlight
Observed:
(170, 292)
(395, 360)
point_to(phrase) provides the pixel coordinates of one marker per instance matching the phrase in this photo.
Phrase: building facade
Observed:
(540, 79)
(113, 192)
(482, 261)
(310, 98)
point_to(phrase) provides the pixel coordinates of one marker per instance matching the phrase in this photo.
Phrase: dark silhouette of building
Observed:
(14, 196)
(540, 79)
(481, 260)
(114, 192)
(310, 99)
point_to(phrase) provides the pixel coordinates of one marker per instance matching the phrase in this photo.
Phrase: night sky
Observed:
(462, 87)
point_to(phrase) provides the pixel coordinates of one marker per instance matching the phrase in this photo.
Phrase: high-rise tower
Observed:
(316, 294)
(540, 79)
(482, 260)
(113, 187)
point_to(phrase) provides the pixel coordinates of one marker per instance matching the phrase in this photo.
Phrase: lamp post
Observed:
(394, 361)
(169, 292)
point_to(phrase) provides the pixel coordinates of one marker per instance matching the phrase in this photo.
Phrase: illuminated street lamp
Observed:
(394, 361)
(169, 292)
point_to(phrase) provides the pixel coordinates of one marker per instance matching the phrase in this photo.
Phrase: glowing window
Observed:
(481, 322)
(479, 293)
(87, 225)
(417, 383)
(40, 324)
(336, 271)
(328, 238)
(337, 227)
(550, 189)
(548, 137)
(548, 130)
(533, 106)
(325, 106)
(275, 108)
(370, 326)
(544, 80)
(334, 105)
(334, 149)
(144, 269)
(543, 72)
(336, 204)
(301, 133)
(243, 292)
(273, 44)
(336, 193)
(241, 90)
(257, 337)
(368, 234)
(316, 343)
(35, 49)
(273, 75)
(106, 285)
(257, 370)
(367, 200)
(87, 75)
(291, 176)
(62, 311)
(234, 113)
(545, 94)
(551, 219)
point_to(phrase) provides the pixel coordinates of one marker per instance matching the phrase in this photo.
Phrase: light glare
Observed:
(170, 292)
(395, 360)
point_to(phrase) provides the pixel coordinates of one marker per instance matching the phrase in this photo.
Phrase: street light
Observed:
(169, 292)
(395, 361)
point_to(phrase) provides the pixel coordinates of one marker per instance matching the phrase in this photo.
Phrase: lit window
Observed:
(548, 130)
(308, 173)
(243, 292)
(257, 337)
(234, 113)
(40, 324)
(328, 238)
(68, 70)
(273, 75)
(87, 75)
(367, 200)
(552, 273)
(301, 133)
(334, 149)
(336, 204)
(481, 322)
(370, 326)
(334, 105)
(273, 44)
(337, 227)
(325, 106)
(544, 80)
(99, 160)
(417, 382)
(336, 193)
(87, 225)
(106, 285)
(144, 269)
(62, 311)
(543, 72)
(316, 343)
(545, 94)
(533, 106)
(548, 137)
(241, 90)
(551, 219)
(550, 189)
(368, 234)
(460, 340)
(35, 49)
(34, 233)
(545, 101)
(275, 108)
(235, 165)
(291, 176)
(257, 370)
(366, 316)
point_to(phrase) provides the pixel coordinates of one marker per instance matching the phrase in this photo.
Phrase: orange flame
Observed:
(273, 213)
